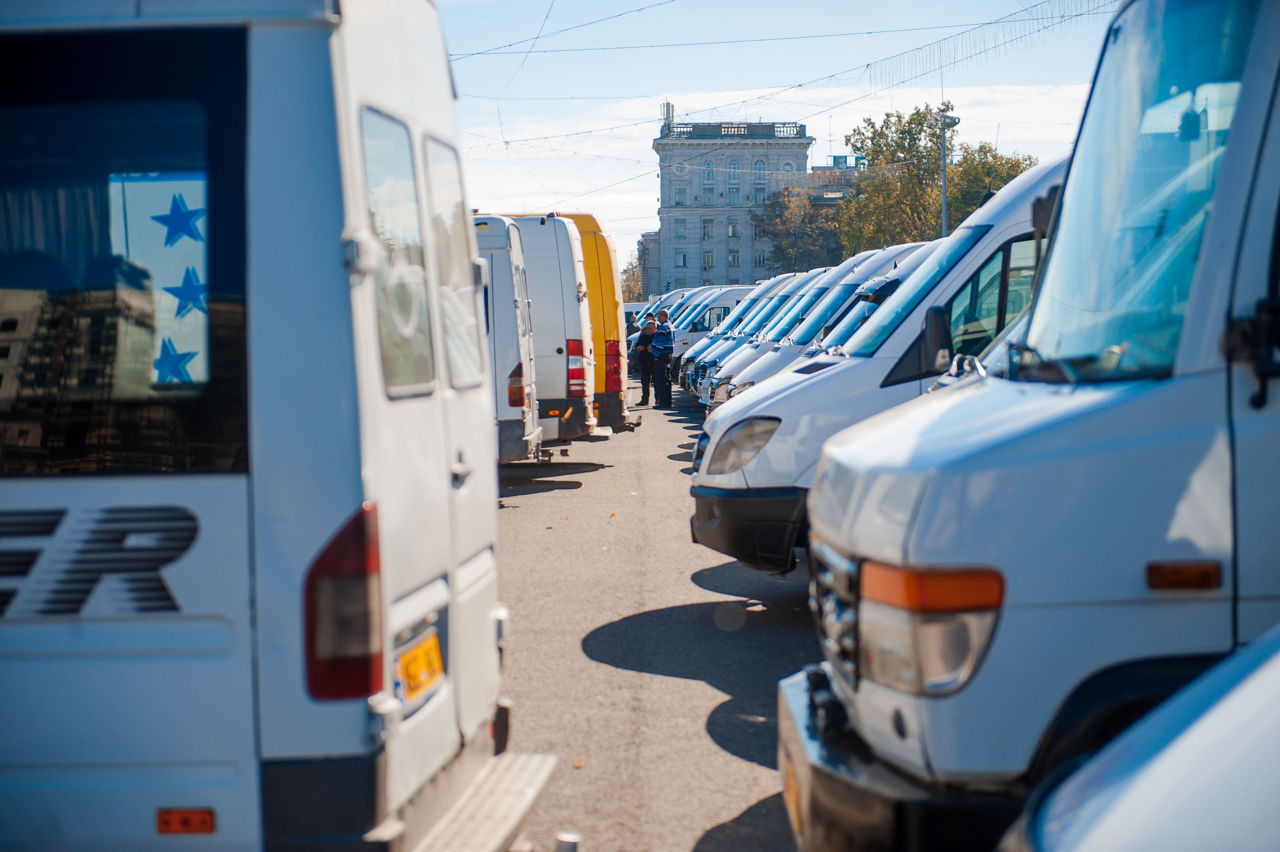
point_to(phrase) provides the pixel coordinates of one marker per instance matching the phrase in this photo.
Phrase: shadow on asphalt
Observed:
(518, 479)
(762, 826)
(740, 647)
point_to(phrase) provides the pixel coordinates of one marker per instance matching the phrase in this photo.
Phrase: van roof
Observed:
(81, 14)
(493, 232)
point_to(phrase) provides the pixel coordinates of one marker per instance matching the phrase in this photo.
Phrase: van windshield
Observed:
(770, 307)
(793, 316)
(690, 314)
(1140, 192)
(835, 299)
(122, 309)
(737, 315)
(885, 320)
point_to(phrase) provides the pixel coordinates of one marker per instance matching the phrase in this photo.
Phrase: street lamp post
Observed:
(944, 122)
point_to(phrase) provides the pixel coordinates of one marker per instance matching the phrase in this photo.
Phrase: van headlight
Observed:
(734, 390)
(925, 631)
(720, 390)
(741, 442)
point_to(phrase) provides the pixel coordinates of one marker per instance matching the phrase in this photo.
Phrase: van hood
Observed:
(761, 395)
(872, 478)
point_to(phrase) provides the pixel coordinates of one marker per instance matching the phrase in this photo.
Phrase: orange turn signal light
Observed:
(185, 821)
(932, 591)
(1164, 576)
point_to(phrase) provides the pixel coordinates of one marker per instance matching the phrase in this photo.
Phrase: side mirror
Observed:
(480, 273)
(936, 351)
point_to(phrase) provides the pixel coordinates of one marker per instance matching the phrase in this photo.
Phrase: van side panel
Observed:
(306, 461)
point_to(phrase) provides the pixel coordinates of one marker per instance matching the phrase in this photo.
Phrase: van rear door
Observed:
(473, 451)
(126, 589)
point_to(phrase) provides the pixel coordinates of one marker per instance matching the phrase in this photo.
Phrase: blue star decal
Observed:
(171, 366)
(180, 222)
(191, 294)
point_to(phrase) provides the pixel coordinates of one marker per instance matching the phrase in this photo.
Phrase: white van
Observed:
(755, 461)
(564, 354)
(727, 329)
(706, 316)
(1034, 561)
(247, 482)
(510, 324)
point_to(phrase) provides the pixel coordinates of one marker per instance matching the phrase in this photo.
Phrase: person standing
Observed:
(663, 345)
(644, 358)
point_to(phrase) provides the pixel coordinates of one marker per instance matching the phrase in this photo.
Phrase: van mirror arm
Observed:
(1254, 339)
(935, 353)
(480, 273)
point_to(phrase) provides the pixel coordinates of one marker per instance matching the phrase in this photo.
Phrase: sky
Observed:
(565, 121)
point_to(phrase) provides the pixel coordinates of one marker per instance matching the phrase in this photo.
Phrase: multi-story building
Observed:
(713, 175)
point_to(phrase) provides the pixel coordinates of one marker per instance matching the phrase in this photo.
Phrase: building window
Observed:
(708, 228)
(788, 168)
(708, 258)
(734, 229)
(677, 225)
(733, 258)
(755, 232)
(708, 195)
(708, 172)
(681, 194)
(4, 351)
(759, 196)
(759, 259)
(733, 195)
(682, 259)
(8, 324)
(733, 171)
(680, 283)
(759, 171)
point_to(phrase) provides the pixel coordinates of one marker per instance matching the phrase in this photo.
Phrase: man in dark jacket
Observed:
(644, 355)
(663, 346)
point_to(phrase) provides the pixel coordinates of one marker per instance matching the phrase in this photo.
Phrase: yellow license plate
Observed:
(418, 669)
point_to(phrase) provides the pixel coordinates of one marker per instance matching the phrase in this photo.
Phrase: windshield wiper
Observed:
(1070, 375)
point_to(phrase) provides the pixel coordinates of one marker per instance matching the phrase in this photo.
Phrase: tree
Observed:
(631, 280)
(899, 195)
(976, 172)
(798, 231)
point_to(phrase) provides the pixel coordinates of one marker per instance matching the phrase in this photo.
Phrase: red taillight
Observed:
(515, 387)
(577, 366)
(344, 613)
(612, 366)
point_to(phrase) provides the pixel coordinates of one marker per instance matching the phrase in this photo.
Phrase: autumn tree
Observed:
(631, 280)
(898, 197)
(800, 233)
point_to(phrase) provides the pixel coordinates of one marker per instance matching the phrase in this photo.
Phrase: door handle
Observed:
(459, 471)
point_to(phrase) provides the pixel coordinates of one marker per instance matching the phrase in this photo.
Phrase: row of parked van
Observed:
(555, 330)
(1007, 572)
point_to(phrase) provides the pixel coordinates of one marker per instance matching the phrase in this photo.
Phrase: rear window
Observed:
(122, 310)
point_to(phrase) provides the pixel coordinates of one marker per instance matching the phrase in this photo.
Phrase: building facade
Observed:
(713, 176)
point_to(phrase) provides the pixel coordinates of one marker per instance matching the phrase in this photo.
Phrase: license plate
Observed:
(418, 669)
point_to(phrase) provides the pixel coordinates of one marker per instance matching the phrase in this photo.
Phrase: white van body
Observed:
(511, 347)
(561, 314)
(815, 284)
(1113, 496)
(755, 511)
(708, 314)
(728, 327)
(248, 520)
(841, 298)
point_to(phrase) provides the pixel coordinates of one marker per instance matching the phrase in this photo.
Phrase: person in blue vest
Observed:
(662, 346)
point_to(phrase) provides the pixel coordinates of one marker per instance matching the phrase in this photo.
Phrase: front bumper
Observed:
(759, 527)
(839, 796)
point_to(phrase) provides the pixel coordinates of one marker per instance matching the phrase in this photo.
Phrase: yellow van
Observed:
(604, 294)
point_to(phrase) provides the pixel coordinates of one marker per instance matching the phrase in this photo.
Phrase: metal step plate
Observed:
(488, 816)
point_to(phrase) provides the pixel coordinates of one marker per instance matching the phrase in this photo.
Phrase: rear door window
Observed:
(404, 321)
(122, 309)
(450, 230)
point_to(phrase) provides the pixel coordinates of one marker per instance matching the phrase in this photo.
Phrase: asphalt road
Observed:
(648, 664)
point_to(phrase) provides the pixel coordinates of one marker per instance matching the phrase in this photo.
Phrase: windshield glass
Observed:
(823, 312)
(692, 311)
(770, 307)
(736, 316)
(794, 314)
(875, 331)
(682, 308)
(1140, 191)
